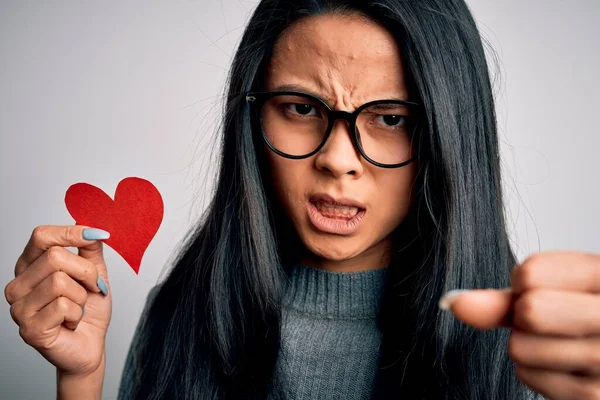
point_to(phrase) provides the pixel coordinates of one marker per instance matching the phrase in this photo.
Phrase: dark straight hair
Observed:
(211, 329)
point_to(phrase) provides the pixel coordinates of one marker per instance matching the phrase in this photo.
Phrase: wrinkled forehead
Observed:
(344, 59)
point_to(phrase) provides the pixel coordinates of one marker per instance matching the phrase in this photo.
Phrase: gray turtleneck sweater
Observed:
(329, 336)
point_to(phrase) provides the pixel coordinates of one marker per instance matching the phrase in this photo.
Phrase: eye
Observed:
(301, 109)
(391, 120)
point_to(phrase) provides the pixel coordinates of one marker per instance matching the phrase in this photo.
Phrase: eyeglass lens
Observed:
(296, 126)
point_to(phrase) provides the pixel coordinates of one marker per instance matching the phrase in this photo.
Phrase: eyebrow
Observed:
(298, 88)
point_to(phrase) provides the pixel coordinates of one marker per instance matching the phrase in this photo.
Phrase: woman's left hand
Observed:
(553, 308)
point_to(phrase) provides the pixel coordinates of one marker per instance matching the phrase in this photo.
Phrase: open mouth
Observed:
(341, 217)
(336, 211)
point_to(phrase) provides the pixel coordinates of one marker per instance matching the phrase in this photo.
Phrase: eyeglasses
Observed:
(296, 125)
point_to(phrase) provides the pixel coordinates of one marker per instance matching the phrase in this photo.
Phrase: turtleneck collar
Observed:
(346, 295)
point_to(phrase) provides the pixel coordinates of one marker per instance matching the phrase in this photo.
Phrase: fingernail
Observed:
(447, 299)
(82, 311)
(102, 286)
(95, 234)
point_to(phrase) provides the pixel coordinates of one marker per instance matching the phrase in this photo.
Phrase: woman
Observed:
(317, 269)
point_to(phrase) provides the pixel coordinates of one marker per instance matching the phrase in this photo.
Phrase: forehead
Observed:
(342, 58)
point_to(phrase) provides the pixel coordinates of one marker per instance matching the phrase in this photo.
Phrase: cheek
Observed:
(394, 190)
(290, 180)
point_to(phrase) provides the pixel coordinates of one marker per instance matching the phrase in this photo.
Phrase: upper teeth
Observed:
(336, 208)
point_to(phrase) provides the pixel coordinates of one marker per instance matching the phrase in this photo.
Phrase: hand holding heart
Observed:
(51, 288)
(60, 300)
(553, 308)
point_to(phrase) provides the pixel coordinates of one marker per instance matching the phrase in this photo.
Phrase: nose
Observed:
(339, 156)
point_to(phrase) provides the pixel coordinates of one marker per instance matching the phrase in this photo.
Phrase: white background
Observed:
(96, 92)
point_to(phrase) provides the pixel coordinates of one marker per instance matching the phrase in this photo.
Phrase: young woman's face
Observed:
(343, 207)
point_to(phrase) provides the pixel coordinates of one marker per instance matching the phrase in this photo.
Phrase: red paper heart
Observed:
(132, 218)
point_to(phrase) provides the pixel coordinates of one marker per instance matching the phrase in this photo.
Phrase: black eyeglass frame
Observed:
(259, 98)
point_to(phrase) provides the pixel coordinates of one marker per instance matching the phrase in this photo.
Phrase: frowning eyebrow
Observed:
(298, 88)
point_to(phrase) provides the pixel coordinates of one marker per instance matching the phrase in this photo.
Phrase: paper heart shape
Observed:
(132, 218)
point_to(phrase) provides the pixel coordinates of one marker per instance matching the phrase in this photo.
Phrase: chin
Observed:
(334, 249)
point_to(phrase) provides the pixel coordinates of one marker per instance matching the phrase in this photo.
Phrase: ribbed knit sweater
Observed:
(329, 336)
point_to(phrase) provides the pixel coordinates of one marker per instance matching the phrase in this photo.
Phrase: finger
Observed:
(42, 328)
(570, 271)
(581, 356)
(58, 284)
(44, 237)
(53, 260)
(551, 312)
(559, 385)
(482, 308)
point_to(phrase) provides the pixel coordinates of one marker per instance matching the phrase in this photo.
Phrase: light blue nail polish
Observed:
(455, 292)
(102, 286)
(82, 311)
(95, 234)
(448, 298)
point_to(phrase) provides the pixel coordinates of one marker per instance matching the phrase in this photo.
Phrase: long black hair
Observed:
(211, 330)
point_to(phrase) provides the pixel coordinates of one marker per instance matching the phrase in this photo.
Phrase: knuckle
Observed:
(526, 274)
(55, 255)
(9, 292)
(514, 348)
(38, 234)
(62, 305)
(526, 313)
(82, 294)
(23, 332)
(15, 312)
(58, 282)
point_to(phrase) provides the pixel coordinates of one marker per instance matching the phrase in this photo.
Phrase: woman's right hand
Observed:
(50, 289)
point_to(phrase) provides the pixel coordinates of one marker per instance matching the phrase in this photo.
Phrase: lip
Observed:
(334, 225)
(339, 202)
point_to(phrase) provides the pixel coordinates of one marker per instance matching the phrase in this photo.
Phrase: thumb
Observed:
(95, 253)
(481, 308)
(93, 249)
